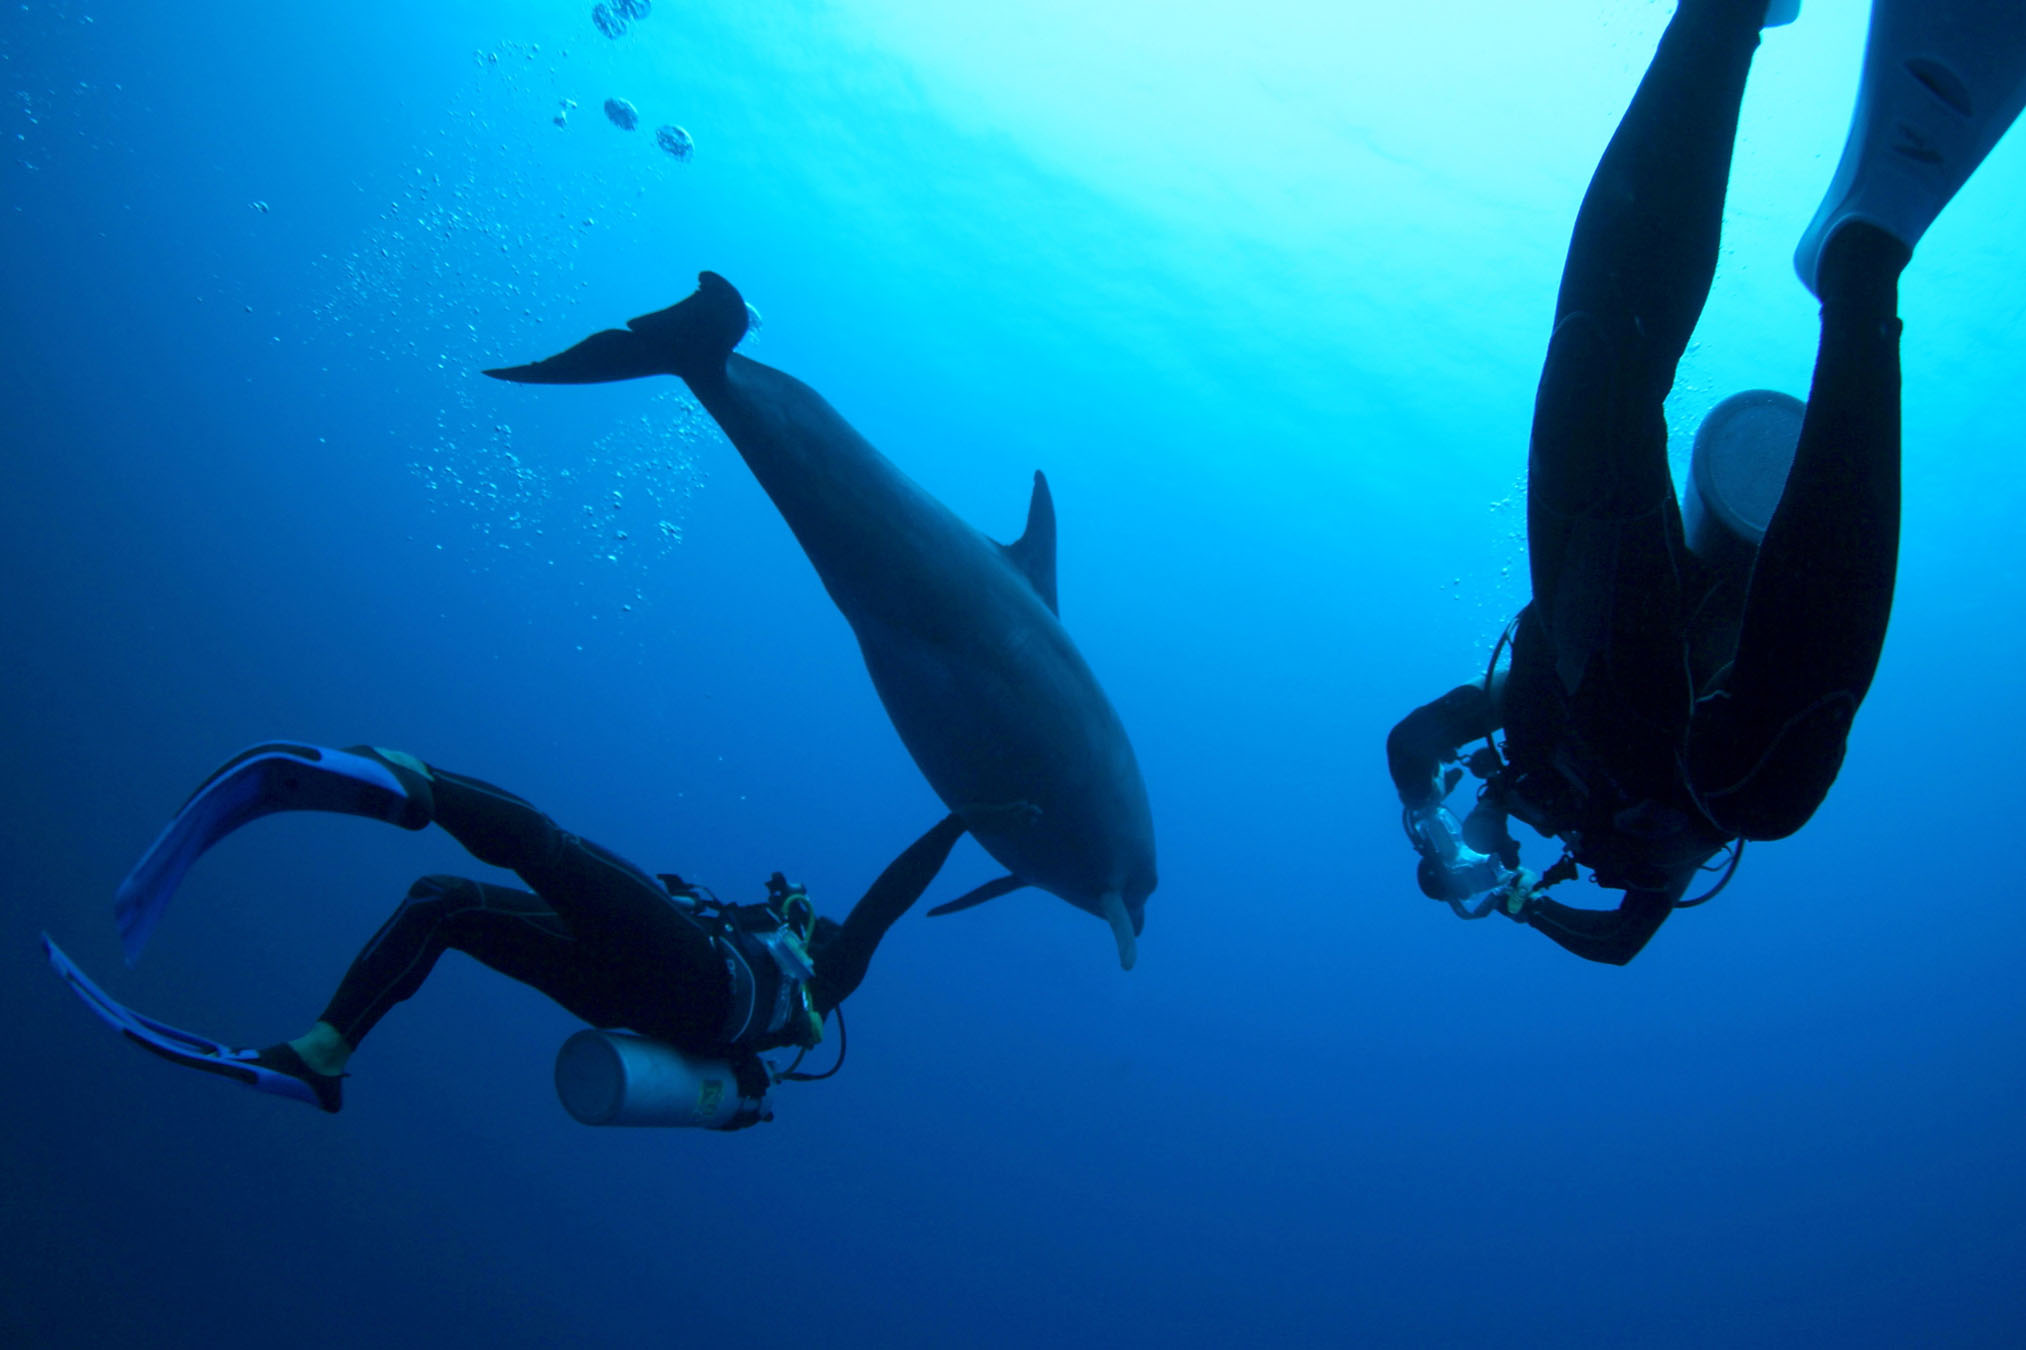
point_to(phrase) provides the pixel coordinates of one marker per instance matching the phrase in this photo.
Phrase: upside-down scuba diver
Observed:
(1678, 687)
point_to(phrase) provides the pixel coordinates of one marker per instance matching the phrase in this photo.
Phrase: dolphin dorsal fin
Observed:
(991, 890)
(1034, 551)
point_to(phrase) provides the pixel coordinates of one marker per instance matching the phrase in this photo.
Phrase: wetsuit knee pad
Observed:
(1780, 790)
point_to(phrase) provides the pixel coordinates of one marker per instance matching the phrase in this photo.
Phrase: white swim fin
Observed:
(1942, 81)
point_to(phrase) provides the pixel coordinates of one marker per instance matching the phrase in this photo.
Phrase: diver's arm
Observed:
(1430, 737)
(841, 963)
(1610, 936)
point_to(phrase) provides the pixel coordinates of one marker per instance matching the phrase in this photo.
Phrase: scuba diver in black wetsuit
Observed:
(1663, 704)
(699, 980)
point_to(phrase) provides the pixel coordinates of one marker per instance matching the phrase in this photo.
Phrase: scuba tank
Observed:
(618, 1078)
(1736, 473)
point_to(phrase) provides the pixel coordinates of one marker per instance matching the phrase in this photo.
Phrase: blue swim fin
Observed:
(261, 1070)
(279, 776)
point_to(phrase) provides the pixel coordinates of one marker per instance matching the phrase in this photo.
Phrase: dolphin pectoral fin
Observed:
(1121, 929)
(991, 890)
(1034, 551)
(691, 338)
(615, 354)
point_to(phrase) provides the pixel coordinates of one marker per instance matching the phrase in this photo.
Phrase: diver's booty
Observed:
(329, 1088)
(279, 776)
(415, 779)
(691, 338)
(1942, 81)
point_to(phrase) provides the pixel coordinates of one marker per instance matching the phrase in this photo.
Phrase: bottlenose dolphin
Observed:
(959, 633)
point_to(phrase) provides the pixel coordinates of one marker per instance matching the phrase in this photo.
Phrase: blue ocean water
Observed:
(1264, 288)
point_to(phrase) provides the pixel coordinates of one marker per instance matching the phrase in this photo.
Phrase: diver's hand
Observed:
(1521, 895)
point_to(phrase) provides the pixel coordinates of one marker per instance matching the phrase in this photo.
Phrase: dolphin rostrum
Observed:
(959, 633)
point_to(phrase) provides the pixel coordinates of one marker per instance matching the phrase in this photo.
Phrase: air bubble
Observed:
(675, 142)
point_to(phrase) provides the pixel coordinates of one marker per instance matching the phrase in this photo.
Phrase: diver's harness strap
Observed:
(765, 951)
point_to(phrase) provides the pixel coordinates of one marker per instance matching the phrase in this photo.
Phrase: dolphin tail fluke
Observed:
(615, 354)
(691, 338)
(991, 890)
(695, 335)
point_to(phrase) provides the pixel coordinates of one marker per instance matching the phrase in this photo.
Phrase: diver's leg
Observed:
(1645, 242)
(1603, 527)
(522, 937)
(509, 930)
(624, 919)
(600, 895)
(622, 915)
(1942, 81)
(1767, 744)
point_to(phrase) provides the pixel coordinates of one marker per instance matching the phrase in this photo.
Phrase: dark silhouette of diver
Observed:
(611, 944)
(1660, 707)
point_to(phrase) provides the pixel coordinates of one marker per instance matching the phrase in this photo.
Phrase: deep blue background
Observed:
(1263, 287)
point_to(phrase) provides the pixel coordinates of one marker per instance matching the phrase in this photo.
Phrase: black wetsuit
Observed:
(1649, 717)
(598, 935)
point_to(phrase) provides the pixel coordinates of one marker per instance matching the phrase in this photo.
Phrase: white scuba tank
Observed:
(1736, 473)
(616, 1078)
